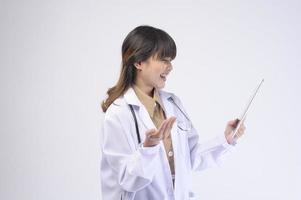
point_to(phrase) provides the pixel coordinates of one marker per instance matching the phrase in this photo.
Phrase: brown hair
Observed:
(139, 45)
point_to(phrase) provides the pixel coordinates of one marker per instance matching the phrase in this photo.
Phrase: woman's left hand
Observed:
(231, 127)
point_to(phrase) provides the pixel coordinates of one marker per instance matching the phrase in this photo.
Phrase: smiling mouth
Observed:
(163, 76)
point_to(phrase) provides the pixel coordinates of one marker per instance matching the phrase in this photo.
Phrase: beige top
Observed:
(155, 108)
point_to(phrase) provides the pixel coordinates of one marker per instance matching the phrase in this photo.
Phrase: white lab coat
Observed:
(130, 171)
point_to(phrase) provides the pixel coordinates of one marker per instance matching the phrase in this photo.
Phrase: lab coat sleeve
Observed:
(207, 154)
(135, 168)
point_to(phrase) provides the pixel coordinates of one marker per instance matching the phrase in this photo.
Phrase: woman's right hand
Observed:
(153, 136)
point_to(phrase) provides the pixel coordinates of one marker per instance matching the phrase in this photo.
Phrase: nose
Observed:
(169, 67)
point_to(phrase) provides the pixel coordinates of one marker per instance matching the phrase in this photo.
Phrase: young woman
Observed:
(149, 146)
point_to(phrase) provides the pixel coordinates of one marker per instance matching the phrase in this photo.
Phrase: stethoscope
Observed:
(185, 126)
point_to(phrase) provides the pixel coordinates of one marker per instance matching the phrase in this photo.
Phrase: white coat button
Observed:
(170, 153)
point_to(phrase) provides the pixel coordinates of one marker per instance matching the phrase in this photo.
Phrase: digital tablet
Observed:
(244, 113)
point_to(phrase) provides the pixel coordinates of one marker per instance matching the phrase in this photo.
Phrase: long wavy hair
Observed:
(140, 44)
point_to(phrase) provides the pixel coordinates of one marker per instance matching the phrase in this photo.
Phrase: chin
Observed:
(161, 86)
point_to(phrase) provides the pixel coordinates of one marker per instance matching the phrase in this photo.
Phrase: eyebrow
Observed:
(167, 58)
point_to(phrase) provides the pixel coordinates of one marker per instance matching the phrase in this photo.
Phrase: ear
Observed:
(138, 65)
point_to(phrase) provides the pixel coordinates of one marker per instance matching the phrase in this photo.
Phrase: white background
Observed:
(58, 58)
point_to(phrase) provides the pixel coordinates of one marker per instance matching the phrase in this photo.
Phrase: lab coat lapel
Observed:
(169, 112)
(142, 114)
(145, 118)
(167, 105)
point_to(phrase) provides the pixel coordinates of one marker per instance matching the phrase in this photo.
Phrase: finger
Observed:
(168, 127)
(233, 122)
(154, 135)
(240, 132)
(230, 127)
(150, 132)
(243, 127)
(233, 131)
(151, 137)
(243, 130)
(171, 121)
(162, 128)
(242, 124)
(163, 124)
(155, 138)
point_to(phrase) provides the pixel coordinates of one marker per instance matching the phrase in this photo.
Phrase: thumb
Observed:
(234, 122)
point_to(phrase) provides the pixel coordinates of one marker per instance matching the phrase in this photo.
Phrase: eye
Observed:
(165, 60)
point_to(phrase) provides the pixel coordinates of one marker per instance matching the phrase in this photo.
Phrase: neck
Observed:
(145, 88)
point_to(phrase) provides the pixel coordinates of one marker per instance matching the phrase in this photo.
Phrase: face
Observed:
(153, 72)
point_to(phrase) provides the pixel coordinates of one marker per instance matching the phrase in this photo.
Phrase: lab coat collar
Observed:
(131, 98)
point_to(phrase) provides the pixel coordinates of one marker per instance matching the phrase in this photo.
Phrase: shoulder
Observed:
(170, 95)
(165, 94)
(173, 99)
(117, 109)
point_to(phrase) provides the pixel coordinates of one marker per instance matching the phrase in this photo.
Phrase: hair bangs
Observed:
(165, 46)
